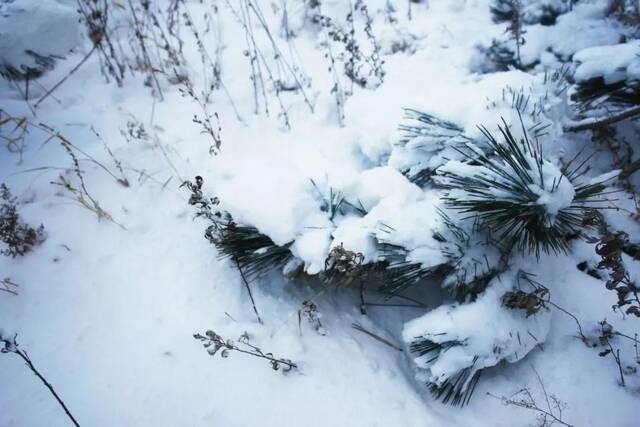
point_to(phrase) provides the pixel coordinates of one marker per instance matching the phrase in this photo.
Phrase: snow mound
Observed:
(475, 336)
(614, 63)
(33, 33)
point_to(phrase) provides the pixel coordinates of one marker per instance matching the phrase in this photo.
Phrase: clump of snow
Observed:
(375, 184)
(554, 190)
(483, 333)
(613, 63)
(312, 246)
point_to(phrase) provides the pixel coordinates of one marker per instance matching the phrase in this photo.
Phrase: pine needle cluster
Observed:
(596, 93)
(520, 196)
(253, 252)
(399, 273)
(456, 389)
(430, 138)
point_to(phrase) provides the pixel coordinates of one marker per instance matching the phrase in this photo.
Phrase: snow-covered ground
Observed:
(107, 309)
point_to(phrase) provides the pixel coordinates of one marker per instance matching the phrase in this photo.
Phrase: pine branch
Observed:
(597, 123)
(456, 389)
(360, 328)
(399, 274)
(521, 197)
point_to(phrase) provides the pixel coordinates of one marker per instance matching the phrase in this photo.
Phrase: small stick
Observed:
(57, 85)
(590, 124)
(358, 327)
(12, 347)
(246, 284)
(363, 305)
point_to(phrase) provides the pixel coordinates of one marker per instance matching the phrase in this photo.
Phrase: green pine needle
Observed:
(500, 194)
(255, 253)
(457, 389)
(595, 93)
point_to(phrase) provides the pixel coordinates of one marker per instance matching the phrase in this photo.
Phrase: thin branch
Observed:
(528, 404)
(590, 124)
(69, 74)
(11, 346)
(8, 286)
(246, 284)
(215, 344)
(358, 327)
(582, 335)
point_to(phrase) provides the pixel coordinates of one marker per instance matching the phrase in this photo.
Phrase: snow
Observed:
(48, 28)
(508, 335)
(553, 199)
(614, 63)
(107, 313)
(586, 26)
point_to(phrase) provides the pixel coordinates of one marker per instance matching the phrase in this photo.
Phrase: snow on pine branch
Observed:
(452, 344)
(520, 195)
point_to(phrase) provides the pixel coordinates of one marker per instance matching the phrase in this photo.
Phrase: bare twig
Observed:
(524, 399)
(358, 327)
(606, 332)
(8, 286)
(69, 74)
(590, 124)
(214, 343)
(11, 346)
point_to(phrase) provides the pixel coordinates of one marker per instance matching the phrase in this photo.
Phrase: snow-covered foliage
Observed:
(424, 144)
(544, 12)
(525, 199)
(608, 76)
(440, 182)
(453, 343)
(612, 63)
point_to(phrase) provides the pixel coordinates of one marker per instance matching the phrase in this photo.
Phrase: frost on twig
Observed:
(548, 414)
(215, 344)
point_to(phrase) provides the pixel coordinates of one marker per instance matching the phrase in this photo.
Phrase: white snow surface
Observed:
(46, 28)
(107, 312)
